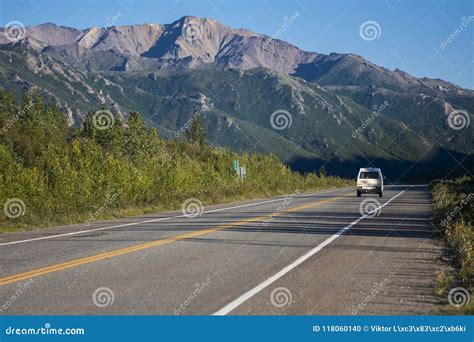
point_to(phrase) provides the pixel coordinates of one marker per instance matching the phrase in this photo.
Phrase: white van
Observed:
(370, 181)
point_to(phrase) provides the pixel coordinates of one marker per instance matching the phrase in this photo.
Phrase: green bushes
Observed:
(65, 175)
(453, 214)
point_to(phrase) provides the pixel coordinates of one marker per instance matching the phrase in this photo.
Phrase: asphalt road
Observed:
(310, 254)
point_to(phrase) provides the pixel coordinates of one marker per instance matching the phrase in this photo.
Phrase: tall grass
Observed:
(453, 214)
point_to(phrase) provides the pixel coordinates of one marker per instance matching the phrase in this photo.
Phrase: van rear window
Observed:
(369, 175)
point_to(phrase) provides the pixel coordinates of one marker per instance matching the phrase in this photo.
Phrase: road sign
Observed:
(236, 165)
(242, 172)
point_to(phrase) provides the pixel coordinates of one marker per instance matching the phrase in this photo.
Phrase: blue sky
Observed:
(410, 38)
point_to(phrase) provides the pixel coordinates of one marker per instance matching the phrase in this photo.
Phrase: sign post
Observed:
(242, 172)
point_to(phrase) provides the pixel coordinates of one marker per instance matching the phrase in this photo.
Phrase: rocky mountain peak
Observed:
(194, 42)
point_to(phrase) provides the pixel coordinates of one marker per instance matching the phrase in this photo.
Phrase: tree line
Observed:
(62, 174)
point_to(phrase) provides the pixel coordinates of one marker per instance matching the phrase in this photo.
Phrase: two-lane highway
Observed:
(306, 254)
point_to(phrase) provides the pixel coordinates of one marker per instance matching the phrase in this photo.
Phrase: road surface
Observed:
(309, 254)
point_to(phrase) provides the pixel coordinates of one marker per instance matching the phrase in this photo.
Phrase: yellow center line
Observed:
(139, 247)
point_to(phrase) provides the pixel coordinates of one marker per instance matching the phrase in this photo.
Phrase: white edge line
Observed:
(161, 219)
(249, 294)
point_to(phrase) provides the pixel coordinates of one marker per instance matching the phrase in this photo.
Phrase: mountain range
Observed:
(253, 92)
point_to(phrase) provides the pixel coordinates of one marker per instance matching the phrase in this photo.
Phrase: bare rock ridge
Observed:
(189, 41)
(193, 42)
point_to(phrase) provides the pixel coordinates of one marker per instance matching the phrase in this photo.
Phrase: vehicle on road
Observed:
(370, 181)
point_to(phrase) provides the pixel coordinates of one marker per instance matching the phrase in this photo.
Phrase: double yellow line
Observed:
(139, 247)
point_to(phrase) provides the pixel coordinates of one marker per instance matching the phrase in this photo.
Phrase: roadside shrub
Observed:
(453, 215)
(65, 175)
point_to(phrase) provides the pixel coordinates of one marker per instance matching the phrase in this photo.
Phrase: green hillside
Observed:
(329, 125)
